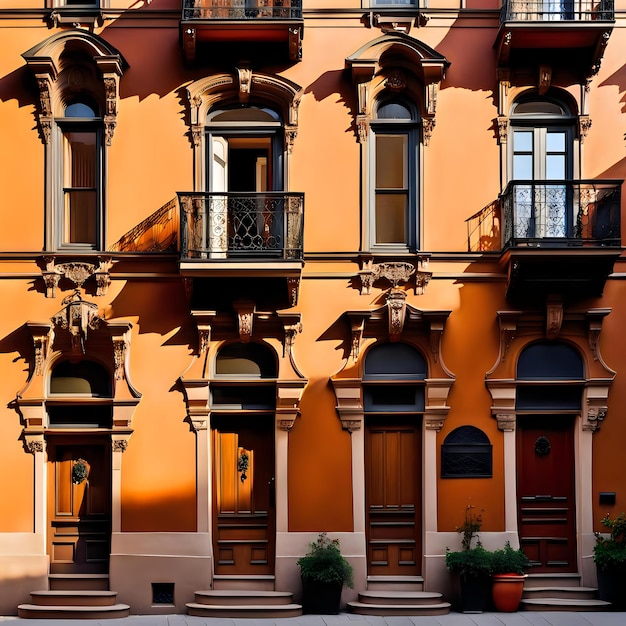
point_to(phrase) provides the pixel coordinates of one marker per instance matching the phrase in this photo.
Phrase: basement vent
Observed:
(162, 593)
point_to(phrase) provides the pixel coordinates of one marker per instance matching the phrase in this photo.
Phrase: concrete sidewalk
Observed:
(526, 618)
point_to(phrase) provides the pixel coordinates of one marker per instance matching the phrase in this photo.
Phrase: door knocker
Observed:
(79, 471)
(242, 465)
(542, 446)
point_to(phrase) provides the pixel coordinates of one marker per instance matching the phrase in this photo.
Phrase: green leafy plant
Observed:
(509, 561)
(324, 562)
(472, 560)
(609, 553)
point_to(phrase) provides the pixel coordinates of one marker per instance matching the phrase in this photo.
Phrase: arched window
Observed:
(245, 366)
(394, 175)
(393, 379)
(79, 208)
(466, 453)
(546, 375)
(72, 387)
(541, 153)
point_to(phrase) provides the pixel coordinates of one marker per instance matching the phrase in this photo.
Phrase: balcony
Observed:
(557, 236)
(566, 33)
(270, 27)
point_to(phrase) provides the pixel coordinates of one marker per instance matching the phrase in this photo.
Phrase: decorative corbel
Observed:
(435, 335)
(45, 116)
(428, 124)
(584, 124)
(545, 79)
(288, 396)
(42, 345)
(554, 318)
(245, 83)
(293, 288)
(349, 402)
(120, 348)
(291, 330)
(503, 128)
(357, 327)
(102, 276)
(197, 131)
(291, 133)
(119, 443)
(508, 330)
(367, 275)
(433, 421)
(422, 276)
(34, 443)
(595, 317)
(77, 317)
(594, 417)
(506, 421)
(396, 306)
(245, 318)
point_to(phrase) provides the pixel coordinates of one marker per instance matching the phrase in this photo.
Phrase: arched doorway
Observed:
(393, 401)
(243, 404)
(550, 380)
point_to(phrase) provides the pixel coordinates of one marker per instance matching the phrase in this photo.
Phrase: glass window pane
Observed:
(555, 167)
(79, 109)
(555, 142)
(523, 167)
(390, 218)
(523, 141)
(394, 111)
(80, 176)
(391, 152)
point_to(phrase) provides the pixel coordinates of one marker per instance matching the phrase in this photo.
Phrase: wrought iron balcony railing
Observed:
(221, 225)
(242, 9)
(561, 212)
(557, 10)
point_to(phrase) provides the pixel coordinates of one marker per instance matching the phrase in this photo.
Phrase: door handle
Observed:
(272, 487)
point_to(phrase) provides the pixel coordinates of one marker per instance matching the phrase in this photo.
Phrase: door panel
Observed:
(545, 491)
(243, 502)
(79, 506)
(393, 496)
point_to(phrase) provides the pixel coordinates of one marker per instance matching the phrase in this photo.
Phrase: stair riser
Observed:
(566, 595)
(243, 585)
(78, 584)
(396, 601)
(382, 586)
(563, 608)
(552, 581)
(72, 601)
(241, 600)
(67, 613)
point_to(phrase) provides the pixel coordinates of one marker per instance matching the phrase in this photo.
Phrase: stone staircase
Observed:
(242, 596)
(403, 595)
(562, 592)
(74, 597)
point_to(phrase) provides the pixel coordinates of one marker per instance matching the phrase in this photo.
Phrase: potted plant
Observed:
(324, 572)
(508, 567)
(609, 554)
(472, 565)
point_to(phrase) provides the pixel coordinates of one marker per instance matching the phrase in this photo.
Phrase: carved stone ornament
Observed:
(428, 124)
(554, 319)
(78, 273)
(395, 273)
(77, 317)
(396, 305)
(120, 445)
(245, 319)
(584, 124)
(396, 81)
(120, 348)
(503, 128)
(34, 444)
(506, 421)
(595, 416)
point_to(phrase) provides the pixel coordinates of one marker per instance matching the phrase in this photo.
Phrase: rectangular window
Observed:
(392, 192)
(80, 187)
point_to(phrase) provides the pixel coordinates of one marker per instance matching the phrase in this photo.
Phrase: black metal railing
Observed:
(557, 10)
(230, 224)
(562, 212)
(242, 9)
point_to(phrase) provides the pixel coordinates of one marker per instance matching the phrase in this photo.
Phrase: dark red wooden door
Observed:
(243, 495)
(393, 496)
(546, 492)
(79, 505)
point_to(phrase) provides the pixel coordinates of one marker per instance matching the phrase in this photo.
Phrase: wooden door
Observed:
(545, 492)
(79, 505)
(393, 496)
(243, 495)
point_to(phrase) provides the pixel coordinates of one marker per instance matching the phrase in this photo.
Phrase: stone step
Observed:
(254, 582)
(396, 583)
(580, 593)
(73, 598)
(417, 610)
(226, 597)
(256, 611)
(74, 582)
(552, 580)
(36, 611)
(563, 604)
(413, 598)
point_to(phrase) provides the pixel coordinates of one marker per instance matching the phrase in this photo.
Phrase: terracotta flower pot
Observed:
(507, 591)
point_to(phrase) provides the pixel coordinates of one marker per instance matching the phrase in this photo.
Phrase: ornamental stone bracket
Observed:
(77, 272)
(349, 402)
(396, 273)
(288, 396)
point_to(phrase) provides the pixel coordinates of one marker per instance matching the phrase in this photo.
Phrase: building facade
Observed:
(270, 269)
